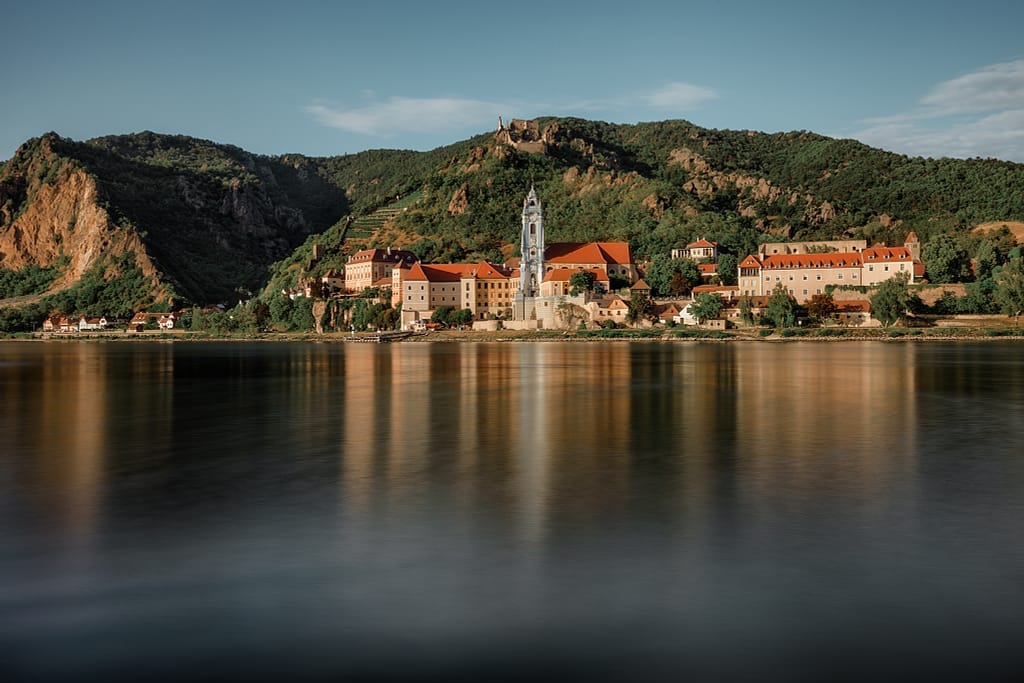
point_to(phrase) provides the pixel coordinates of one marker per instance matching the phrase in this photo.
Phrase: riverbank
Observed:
(747, 334)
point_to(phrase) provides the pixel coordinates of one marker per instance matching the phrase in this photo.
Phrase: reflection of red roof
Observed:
(590, 252)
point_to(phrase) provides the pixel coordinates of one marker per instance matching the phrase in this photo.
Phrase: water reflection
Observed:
(432, 503)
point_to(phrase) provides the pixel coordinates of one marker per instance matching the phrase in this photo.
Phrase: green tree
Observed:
(946, 259)
(582, 281)
(889, 303)
(821, 306)
(280, 309)
(639, 305)
(667, 275)
(985, 259)
(727, 269)
(706, 307)
(781, 308)
(302, 314)
(1009, 292)
(442, 314)
(746, 310)
(463, 316)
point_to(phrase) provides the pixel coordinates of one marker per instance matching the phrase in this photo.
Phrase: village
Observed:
(568, 285)
(576, 286)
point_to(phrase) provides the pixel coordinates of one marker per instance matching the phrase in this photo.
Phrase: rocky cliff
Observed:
(202, 222)
(51, 217)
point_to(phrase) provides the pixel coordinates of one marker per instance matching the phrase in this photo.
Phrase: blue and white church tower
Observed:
(531, 267)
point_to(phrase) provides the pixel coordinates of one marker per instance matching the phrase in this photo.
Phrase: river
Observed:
(605, 510)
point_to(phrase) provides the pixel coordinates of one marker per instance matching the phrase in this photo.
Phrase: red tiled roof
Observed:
(830, 260)
(918, 269)
(714, 289)
(640, 286)
(876, 254)
(382, 256)
(589, 252)
(750, 262)
(488, 271)
(453, 272)
(701, 243)
(853, 306)
(707, 268)
(565, 274)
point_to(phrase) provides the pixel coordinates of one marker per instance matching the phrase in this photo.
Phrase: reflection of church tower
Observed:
(531, 268)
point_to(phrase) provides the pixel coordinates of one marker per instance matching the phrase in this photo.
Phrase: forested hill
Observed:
(193, 220)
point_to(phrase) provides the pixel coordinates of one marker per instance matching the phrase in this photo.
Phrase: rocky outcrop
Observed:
(60, 221)
(460, 201)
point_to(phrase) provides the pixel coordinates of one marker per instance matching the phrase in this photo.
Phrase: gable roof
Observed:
(589, 252)
(875, 254)
(565, 274)
(701, 244)
(382, 256)
(841, 259)
(454, 272)
(750, 261)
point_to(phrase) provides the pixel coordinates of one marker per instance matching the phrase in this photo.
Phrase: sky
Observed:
(920, 78)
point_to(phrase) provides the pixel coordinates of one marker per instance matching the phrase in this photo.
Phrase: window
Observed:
(840, 276)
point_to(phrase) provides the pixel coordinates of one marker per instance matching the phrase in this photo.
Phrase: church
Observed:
(545, 269)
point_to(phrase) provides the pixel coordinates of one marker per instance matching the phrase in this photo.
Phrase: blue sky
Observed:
(323, 78)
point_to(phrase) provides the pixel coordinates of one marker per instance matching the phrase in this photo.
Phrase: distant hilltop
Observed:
(521, 135)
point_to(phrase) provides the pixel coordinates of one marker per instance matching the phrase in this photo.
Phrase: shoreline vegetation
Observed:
(763, 334)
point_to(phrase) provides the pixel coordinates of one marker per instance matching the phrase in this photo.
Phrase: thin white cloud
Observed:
(397, 115)
(993, 88)
(680, 96)
(980, 114)
(404, 114)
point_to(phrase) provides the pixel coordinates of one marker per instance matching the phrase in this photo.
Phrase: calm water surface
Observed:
(617, 511)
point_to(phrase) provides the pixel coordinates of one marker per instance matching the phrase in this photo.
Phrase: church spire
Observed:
(531, 267)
